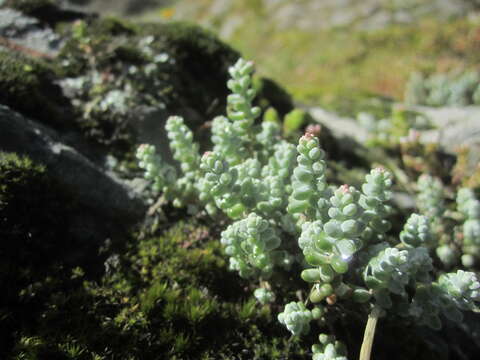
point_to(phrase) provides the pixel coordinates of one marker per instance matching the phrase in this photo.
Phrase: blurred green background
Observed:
(331, 52)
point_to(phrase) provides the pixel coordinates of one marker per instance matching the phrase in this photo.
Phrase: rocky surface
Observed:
(87, 183)
(456, 128)
(344, 128)
(452, 127)
(26, 31)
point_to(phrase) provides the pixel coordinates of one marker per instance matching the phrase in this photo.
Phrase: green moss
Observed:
(22, 185)
(26, 85)
(201, 64)
(194, 79)
(40, 243)
(128, 53)
(32, 237)
(189, 81)
(188, 40)
(112, 45)
(181, 254)
(113, 26)
(33, 217)
(93, 40)
(169, 296)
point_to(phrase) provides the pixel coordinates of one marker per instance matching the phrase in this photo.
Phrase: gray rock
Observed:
(453, 126)
(28, 32)
(341, 127)
(87, 183)
(149, 123)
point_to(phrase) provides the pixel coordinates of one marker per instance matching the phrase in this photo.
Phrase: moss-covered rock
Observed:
(27, 229)
(161, 69)
(27, 86)
(44, 234)
(33, 237)
(112, 70)
(92, 41)
(168, 296)
(39, 220)
(201, 65)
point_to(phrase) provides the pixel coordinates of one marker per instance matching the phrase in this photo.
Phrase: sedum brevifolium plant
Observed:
(328, 349)
(469, 207)
(251, 244)
(456, 230)
(284, 212)
(296, 317)
(442, 89)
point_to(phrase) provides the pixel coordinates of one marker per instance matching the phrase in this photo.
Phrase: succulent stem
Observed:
(369, 334)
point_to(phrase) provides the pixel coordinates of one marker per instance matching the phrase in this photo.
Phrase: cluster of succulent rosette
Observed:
(275, 191)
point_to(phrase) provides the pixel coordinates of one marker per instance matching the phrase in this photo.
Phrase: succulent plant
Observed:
(274, 191)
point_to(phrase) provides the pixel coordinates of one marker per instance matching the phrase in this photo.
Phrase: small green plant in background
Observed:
(389, 131)
(457, 226)
(287, 217)
(456, 88)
